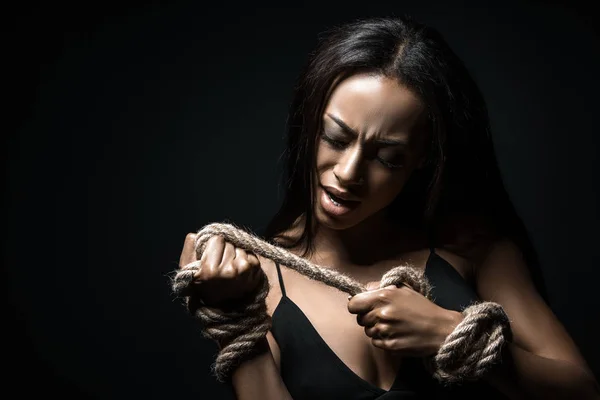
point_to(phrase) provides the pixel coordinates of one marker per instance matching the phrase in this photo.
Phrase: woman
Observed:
(390, 160)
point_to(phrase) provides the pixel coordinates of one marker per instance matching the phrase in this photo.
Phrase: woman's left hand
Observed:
(402, 321)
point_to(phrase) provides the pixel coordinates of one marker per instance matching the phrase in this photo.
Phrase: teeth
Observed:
(332, 200)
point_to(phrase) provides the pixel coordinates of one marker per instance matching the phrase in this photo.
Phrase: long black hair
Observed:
(461, 177)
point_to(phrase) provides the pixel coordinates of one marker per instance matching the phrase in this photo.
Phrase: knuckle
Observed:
(254, 262)
(190, 237)
(383, 295)
(384, 330)
(398, 345)
(383, 313)
(384, 344)
(242, 263)
(227, 271)
(207, 264)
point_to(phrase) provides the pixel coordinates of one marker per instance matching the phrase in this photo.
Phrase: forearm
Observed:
(259, 378)
(524, 375)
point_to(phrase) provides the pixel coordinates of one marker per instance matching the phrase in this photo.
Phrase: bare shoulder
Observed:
(467, 235)
(464, 240)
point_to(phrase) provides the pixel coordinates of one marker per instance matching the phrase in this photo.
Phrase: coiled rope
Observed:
(466, 354)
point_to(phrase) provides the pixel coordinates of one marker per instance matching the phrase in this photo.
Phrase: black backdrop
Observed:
(138, 124)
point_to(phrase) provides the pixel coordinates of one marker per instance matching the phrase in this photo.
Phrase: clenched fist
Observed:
(225, 273)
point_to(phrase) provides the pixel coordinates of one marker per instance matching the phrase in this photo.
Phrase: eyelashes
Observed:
(389, 164)
(340, 145)
(337, 144)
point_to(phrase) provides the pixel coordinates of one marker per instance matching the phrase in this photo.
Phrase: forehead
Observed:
(375, 105)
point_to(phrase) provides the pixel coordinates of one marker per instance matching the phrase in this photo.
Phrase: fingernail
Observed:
(349, 297)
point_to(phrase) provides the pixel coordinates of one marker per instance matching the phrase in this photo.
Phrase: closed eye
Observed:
(337, 144)
(389, 164)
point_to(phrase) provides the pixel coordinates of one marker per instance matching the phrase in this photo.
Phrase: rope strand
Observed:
(466, 354)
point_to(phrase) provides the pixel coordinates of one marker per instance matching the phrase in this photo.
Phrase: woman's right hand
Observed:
(225, 273)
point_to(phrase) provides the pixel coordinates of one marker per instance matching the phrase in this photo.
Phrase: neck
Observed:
(372, 240)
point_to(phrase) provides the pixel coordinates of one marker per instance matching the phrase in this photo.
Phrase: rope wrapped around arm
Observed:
(467, 353)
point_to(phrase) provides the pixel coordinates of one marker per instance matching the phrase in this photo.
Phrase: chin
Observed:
(335, 224)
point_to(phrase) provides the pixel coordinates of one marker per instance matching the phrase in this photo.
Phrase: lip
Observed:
(340, 193)
(334, 210)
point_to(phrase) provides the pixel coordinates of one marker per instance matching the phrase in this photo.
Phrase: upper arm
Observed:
(274, 350)
(272, 301)
(503, 277)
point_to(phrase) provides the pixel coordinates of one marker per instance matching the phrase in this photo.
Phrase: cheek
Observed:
(325, 158)
(384, 189)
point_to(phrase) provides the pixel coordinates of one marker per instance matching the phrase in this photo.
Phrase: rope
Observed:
(467, 353)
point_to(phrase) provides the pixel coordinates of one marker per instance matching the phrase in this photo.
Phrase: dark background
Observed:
(129, 127)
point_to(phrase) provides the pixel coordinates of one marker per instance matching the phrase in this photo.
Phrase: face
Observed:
(372, 139)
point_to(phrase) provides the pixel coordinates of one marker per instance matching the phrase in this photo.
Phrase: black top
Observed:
(312, 371)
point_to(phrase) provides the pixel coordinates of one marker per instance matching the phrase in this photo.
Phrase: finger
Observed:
(396, 344)
(211, 258)
(241, 261)
(362, 302)
(366, 301)
(249, 267)
(188, 254)
(368, 319)
(226, 269)
(372, 286)
(255, 269)
(379, 331)
(380, 343)
(247, 262)
(254, 261)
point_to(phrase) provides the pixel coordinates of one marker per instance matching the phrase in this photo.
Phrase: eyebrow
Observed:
(347, 129)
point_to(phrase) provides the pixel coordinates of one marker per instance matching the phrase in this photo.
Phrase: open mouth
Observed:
(335, 200)
(334, 205)
(340, 202)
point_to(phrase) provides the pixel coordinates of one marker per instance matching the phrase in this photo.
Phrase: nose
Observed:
(348, 171)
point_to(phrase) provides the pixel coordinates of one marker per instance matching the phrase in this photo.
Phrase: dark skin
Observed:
(372, 141)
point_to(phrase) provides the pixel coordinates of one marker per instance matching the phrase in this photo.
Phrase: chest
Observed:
(325, 309)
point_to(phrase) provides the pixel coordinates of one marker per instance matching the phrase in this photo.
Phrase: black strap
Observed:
(280, 280)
